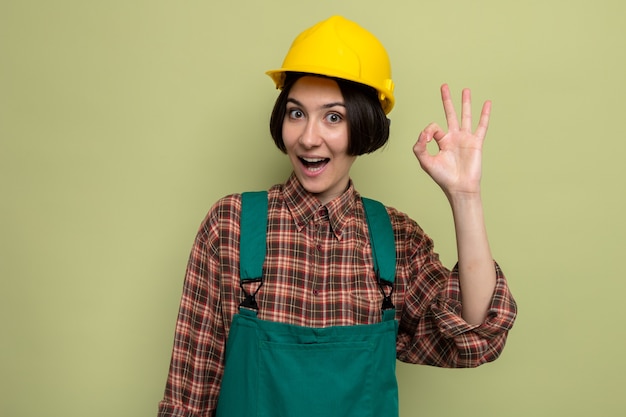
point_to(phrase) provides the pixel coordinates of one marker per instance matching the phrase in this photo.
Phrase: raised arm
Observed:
(457, 169)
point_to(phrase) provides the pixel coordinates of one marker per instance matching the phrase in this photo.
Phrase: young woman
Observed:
(318, 331)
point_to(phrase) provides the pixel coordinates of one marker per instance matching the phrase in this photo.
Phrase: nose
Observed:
(310, 136)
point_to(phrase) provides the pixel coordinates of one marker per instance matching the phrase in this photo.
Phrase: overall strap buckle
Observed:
(387, 303)
(249, 300)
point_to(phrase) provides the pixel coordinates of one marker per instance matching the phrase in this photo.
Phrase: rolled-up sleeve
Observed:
(432, 330)
(475, 344)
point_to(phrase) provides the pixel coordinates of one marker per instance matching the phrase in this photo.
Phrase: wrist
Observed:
(462, 198)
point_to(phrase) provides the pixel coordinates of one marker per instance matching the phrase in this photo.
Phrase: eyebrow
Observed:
(324, 106)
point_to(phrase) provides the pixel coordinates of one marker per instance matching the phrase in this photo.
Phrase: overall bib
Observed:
(281, 370)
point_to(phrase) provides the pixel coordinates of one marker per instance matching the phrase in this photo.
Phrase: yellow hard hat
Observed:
(337, 47)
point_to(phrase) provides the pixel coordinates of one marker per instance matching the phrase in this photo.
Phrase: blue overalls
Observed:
(281, 370)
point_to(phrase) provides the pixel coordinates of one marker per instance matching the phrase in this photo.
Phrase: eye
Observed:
(334, 118)
(295, 114)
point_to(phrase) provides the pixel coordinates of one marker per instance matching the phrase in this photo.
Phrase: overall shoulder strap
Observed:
(254, 227)
(252, 245)
(382, 238)
(253, 230)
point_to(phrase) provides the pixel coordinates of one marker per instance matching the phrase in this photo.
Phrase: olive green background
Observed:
(121, 122)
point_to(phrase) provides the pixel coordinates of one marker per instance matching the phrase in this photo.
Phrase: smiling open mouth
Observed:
(314, 163)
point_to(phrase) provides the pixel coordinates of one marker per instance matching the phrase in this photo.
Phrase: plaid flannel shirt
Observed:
(318, 272)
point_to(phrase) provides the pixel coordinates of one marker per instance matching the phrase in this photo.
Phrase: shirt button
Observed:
(316, 292)
(319, 248)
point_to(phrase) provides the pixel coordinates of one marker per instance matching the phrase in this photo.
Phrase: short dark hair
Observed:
(368, 125)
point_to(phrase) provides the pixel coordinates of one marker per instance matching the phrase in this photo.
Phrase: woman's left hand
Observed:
(457, 166)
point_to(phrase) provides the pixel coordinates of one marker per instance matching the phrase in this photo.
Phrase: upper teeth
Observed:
(313, 159)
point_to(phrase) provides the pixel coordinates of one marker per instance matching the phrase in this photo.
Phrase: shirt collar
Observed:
(303, 206)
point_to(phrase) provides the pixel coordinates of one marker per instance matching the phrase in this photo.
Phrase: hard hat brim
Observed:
(385, 96)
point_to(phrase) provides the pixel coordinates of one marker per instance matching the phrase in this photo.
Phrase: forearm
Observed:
(477, 273)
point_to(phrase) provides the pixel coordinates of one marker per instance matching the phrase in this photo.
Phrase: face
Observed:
(315, 134)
